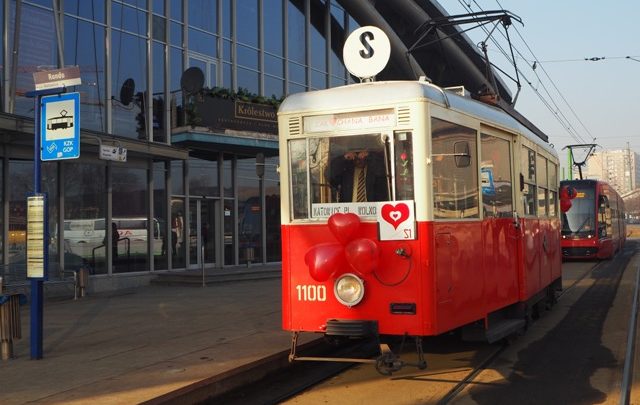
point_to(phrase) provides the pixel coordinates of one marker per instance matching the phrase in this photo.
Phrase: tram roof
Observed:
(367, 96)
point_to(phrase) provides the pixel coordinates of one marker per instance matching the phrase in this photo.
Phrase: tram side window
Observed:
(495, 177)
(403, 165)
(543, 191)
(553, 189)
(298, 174)
(529, 181)
(455, 171)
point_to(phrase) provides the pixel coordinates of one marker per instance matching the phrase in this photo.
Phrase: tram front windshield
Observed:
(580, 219)
(325, 172)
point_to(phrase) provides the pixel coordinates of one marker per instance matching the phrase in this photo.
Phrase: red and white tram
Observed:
(593, 226)
(458, 228)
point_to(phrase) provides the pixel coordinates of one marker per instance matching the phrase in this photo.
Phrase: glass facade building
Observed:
(188, 194)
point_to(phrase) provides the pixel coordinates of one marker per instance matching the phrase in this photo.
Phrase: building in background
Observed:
(620, 168)
(188, 194)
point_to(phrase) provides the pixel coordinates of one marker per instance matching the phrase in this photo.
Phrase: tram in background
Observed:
(594, 226)
(459, 229)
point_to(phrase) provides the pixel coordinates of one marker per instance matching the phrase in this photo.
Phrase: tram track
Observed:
(494, 354)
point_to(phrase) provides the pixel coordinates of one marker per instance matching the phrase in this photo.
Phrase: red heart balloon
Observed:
(344, 226)
(362, 254)
(323, 260)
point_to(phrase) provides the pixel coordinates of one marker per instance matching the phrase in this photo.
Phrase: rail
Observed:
(127, 249)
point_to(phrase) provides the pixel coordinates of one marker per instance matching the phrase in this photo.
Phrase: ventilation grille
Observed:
(295, 126)
(404, 116)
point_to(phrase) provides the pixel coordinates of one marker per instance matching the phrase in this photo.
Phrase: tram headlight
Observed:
(349, 289)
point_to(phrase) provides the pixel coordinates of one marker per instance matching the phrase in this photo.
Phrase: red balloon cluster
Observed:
(567, 194)
(359, 255)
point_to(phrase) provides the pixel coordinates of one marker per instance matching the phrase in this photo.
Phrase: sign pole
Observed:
(37, 299)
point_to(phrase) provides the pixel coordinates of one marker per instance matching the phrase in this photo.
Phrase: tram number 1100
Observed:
(311, 292)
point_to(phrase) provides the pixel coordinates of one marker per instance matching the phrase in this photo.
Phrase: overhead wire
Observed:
(551, 105)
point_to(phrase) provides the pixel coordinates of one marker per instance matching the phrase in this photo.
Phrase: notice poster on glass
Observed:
(35, 236)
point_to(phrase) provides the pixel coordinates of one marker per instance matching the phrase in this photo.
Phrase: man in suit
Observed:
(359, 176)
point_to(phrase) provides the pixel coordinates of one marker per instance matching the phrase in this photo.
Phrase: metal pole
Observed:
(202, 262)
(36, 284)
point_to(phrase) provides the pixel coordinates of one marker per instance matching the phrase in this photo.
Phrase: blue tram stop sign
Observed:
(60, 127)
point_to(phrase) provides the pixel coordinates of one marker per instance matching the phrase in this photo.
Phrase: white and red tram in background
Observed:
(464, 233)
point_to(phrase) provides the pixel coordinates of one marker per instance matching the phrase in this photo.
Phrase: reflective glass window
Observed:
(227, 176)
(160, 253)
(159, 28)
(273, 65)
(249, 211)
(318, 46)
(178, 233)
(203, 42)
(176, 9)
(41, 52)
(247, 57)
(203, 14)
(226, 18)
(528, 170)
(88, 53)
(318, 80)
(272, 209)
(129, 19)
(455, 173)
(273, 27)
(297, 73)
(129, 62)
(273, 87)
(84, 215)
(177, 173)
(203, 177)
(249, 79)
(159, 134)
(177, 116)
(175, 32)
(158, 7)
(247, 22)
(89, 9)
(296, 30)
(130, 216)
(495, 177)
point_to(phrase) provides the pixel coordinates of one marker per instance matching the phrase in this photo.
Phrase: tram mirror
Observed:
(260, 165)
(461, 154)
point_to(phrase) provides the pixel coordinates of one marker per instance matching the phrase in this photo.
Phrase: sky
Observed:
(583, 99)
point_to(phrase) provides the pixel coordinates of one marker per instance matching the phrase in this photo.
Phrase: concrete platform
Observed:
(138, 344)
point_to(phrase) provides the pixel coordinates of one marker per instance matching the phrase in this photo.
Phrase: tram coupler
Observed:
(388, 362)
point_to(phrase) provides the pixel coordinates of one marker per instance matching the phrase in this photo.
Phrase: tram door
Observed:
(202, 231)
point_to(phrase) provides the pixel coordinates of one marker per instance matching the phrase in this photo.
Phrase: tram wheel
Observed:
(387, 363)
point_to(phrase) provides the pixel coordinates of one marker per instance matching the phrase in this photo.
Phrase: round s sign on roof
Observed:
(366, 52)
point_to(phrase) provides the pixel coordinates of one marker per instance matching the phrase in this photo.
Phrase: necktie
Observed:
(361, 194)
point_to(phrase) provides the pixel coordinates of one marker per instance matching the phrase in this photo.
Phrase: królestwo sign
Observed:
(53, 79)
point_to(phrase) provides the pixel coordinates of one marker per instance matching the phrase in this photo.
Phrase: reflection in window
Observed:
(298, 175)
(543, 192)
(272, 209)
(495, 176)
(274, 34)
(249, 211)
(128, 117)
(84, 215)
(296, 30)
(160, 214)
(130, 212)
(455, 178)
(403, 159)
(89, 38)
(529, 175)
(203, 177)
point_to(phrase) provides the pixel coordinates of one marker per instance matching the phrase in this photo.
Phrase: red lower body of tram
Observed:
(454, 274)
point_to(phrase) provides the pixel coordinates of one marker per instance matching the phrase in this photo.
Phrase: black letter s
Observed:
(367, 52)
